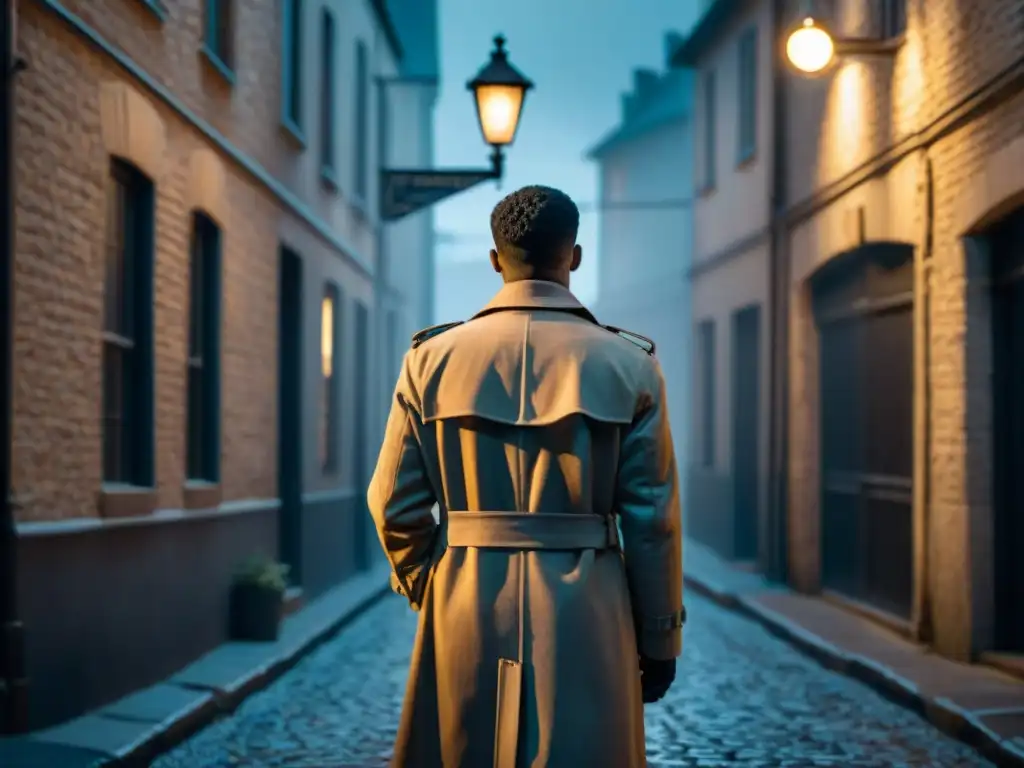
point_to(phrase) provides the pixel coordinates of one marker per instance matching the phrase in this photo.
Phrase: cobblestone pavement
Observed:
(743, 698)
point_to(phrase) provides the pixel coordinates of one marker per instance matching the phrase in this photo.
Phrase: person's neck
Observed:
(544, 279)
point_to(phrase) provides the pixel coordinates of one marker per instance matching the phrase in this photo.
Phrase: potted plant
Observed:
(257, 599)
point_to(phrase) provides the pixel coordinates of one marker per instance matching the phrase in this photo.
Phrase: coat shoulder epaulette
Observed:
(434, 330)
(647, 345)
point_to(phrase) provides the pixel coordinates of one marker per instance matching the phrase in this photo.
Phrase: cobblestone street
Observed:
(742, 698)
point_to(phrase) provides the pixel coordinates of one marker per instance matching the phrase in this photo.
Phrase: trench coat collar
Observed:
(536, 294)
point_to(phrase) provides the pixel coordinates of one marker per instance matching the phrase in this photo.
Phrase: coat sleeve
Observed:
(648, 505)
(401, 497)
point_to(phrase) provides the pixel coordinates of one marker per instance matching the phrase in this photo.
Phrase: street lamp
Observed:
(499, 91)
(811, 47)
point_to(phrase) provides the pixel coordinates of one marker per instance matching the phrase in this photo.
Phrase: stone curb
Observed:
(941, 712)
(223, 701)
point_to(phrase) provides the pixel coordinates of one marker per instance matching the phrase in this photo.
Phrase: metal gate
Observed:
(1008, 410)
(863, 306)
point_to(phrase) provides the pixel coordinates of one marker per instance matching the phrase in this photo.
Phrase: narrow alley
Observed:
(742, 697)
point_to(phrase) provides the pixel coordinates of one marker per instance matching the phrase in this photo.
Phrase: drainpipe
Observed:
(779, 293)
(380, 275)
(923, 628)
(13, 678)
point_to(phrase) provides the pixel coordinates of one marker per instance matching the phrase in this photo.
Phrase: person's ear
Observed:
(577, 257)
(494, 261)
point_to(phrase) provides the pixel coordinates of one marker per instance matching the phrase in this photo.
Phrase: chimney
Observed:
(628, 103)
(644, 81)
(672, 41)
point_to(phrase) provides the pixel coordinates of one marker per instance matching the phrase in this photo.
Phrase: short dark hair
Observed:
(534, 226)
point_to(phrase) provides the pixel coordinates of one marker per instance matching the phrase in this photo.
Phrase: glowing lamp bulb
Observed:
(809, 47)
(498, 107)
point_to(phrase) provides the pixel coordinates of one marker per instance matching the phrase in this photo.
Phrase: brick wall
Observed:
(63, 154)
(837, 124)
(61, 177)
(247, 113)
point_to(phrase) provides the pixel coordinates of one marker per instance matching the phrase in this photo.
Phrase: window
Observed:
(362, 116)
(710, 145)
(893, 17)
(157, 7)
(706, 339)
(291, 75)
(747, 129)
(218, 43)
(361, 329)
(202, 444)
(128, 329)
(327, 104)
(330, 338)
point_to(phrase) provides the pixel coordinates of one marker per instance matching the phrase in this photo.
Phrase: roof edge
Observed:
(380, 10)
(672, 87)
(602, 145)
(707, 32)
(623, 135)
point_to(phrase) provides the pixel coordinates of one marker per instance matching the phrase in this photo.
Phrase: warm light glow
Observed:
(498, 107)
(851, 110)
(810, 48)
(327, 336)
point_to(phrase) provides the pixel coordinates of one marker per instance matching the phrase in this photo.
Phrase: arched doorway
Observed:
(1007, 249)
(863, 308)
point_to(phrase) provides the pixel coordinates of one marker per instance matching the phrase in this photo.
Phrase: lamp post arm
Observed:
(406, 191)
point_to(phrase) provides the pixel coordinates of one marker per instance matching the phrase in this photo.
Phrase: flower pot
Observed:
(255, 612)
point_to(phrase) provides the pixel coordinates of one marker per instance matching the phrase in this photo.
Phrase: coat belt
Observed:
(532, 530)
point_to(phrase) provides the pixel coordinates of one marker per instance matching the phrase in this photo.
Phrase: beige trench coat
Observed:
(534, 408)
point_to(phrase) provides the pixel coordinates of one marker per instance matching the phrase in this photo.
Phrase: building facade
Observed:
(408, 129)
(730, 52)
(895, 260)
(905, 220)
(645, 226)
(199, 296)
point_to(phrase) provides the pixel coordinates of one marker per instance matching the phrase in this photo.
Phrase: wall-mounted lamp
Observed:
(811, 48)
(499, 91)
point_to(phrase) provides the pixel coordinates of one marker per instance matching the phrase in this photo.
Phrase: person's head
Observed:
(534, 231)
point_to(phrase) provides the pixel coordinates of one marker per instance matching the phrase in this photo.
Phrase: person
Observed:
(539, 433)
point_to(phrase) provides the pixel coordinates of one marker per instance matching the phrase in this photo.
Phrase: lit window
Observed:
(330, 312)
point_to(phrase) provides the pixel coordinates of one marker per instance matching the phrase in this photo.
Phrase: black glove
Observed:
(656, 677)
